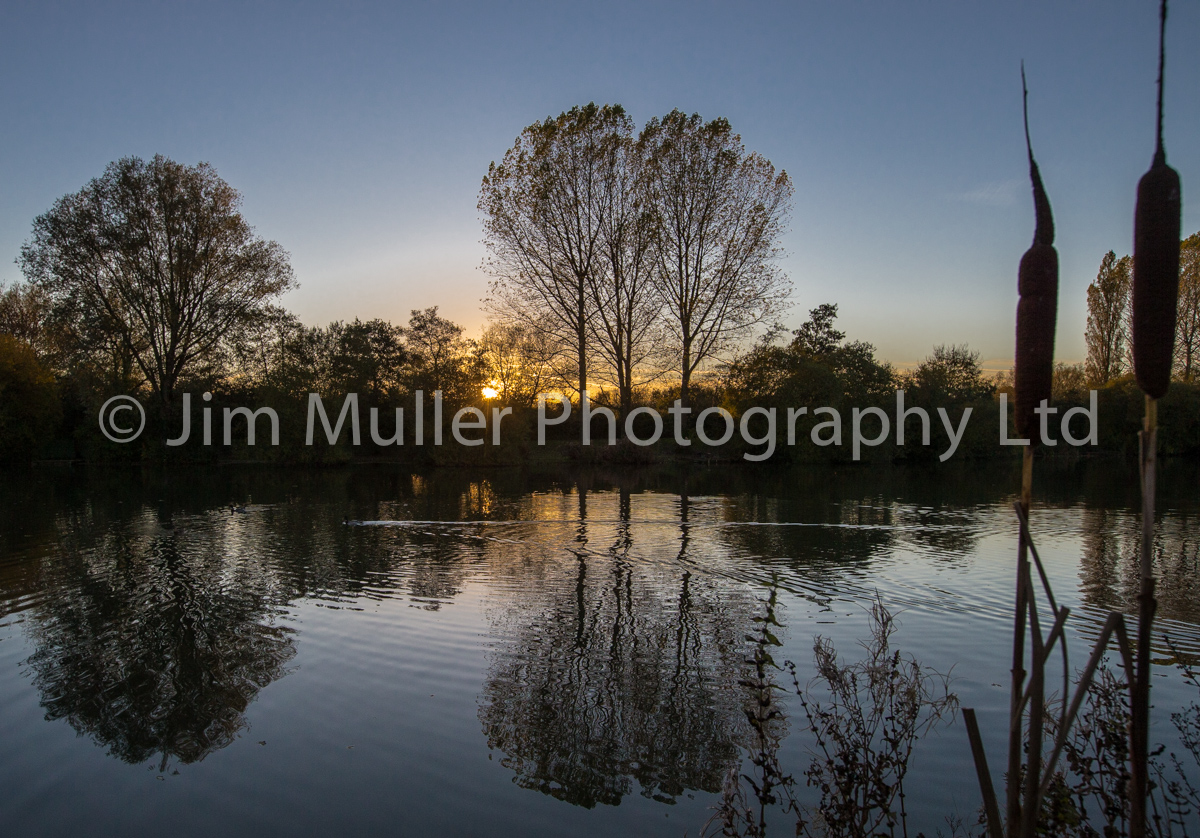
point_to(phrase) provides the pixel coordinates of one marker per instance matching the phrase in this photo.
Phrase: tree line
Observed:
(617, 256)
(642, 263)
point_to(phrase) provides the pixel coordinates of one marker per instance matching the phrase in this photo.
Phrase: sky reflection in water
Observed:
(504, 651)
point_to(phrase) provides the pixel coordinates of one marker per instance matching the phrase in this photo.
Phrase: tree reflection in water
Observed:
(620, 636)
(1109, 568)
(618, 669)
(153, 642)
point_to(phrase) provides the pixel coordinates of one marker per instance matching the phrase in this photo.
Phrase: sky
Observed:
(358, 134)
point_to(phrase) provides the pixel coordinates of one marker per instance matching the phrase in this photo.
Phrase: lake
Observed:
(365, 650)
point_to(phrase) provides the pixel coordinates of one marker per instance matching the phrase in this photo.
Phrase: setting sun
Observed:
(490, 392)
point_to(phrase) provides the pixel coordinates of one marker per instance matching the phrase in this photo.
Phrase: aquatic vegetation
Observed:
(1037, 797)
(865, 717)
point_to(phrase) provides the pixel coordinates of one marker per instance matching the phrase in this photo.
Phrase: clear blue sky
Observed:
(358, 133)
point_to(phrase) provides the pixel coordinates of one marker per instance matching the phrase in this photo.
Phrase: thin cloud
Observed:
(994, 194)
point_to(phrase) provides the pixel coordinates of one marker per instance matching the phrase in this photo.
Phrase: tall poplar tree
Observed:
(720, 213)
(545, 209)
(1107, 330)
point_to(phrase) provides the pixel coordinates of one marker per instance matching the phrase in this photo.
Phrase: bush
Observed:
(29, 406)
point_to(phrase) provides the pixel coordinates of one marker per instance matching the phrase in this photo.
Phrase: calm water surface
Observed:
(372, 651)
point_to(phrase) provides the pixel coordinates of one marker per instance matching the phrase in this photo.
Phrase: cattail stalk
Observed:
(1016, 731)
(1139, 724)
(1156, 228)
(1037, 311)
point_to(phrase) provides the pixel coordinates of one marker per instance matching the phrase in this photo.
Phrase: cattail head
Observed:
(1037, 311)
(1156, 228)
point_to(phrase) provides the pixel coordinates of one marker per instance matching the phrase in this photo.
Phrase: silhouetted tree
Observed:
(545, 208)
(154, 255)
(1108, 315)
(1187, 327)
(23, 312)
(720, 213)
(439, 356)
(1069, 381)
(951, 374)
(817, 367)
(627, 300)
(29, 407)
(518, 360)
(367, 358)
(817, 336)
(259, 354)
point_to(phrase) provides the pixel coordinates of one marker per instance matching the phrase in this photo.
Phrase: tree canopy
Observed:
(1187, 330)
(1110, 309)
(28, 402)
(721, 211)
(1108, 315)
(638, 255)
(546, 207)
(154, 258)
